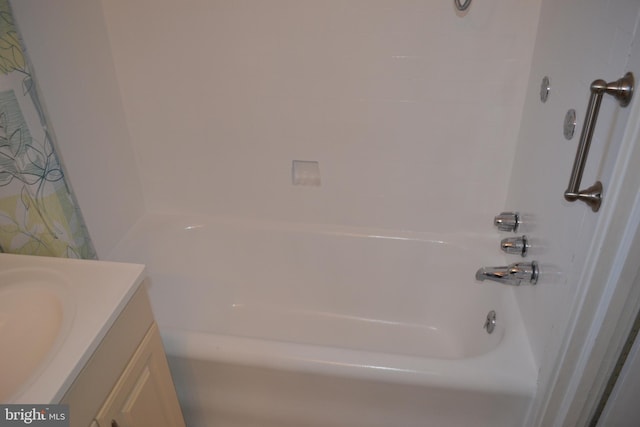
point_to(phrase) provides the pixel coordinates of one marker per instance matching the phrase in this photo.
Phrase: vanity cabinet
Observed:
(126, 382)
(144, 395)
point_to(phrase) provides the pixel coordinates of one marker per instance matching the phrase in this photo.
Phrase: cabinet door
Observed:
(144, 395)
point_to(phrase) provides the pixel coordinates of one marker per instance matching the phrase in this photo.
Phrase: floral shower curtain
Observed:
(38, 213)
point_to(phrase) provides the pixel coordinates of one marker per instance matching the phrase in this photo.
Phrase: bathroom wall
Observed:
(67, 43)
(411, 110)
(578, 41)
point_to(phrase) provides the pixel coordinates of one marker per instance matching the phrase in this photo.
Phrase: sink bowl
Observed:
(35, 313)
(54, 312)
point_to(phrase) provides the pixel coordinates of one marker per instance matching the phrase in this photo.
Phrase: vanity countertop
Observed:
(89, 296)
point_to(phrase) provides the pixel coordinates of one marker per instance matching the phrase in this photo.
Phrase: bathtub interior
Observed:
(372, 290)
(271, 324)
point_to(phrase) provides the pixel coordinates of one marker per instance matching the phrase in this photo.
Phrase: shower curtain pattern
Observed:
(38, 213)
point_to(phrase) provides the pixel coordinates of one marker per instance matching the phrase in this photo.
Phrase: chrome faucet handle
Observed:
(507, 221)
(515, 245)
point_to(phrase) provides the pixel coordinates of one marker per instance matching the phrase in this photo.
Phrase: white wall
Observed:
(67, 43)
(411, 110)
(578, 41)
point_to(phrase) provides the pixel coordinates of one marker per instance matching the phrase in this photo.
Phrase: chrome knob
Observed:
(507, 221)
(515, 245)
(490, 322)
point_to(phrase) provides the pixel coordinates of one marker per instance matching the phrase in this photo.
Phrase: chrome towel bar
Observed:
(622, 91)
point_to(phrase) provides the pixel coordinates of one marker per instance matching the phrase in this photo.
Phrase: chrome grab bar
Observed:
(622, 90)
(462, 6)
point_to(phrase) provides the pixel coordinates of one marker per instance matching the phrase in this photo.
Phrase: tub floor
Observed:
(225, 395)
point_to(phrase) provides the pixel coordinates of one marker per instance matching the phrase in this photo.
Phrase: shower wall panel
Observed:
(410, 109)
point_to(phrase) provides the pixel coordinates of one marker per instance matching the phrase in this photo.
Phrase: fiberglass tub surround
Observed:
(367, 306)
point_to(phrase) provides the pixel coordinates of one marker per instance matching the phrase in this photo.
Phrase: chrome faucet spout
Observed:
(512, 274)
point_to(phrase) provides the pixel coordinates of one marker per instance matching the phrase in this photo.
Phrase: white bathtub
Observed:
(279, 324)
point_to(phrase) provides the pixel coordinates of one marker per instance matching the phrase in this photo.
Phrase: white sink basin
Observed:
(53, 314)
(35, 314)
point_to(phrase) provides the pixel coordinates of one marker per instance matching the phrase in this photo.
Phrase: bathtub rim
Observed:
(191, 222)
